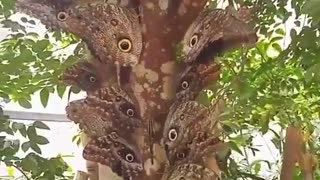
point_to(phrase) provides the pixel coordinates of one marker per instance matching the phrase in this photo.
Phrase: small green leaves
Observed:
(41, 45)
(44, 97)
(40, 125)
(41, 140)
(311, 7)
(25, 103)
(25, 146)
(61, 89)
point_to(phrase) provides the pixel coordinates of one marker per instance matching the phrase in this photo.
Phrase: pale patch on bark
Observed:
(182, 9)
(194, 4)
(157, 161)
(138, 89)
(163, 4)
(142, 72)
(144, 29)
(146, 86)
(168, 88)
(150, 5)
(168, 67)
(106, 173)
(124, 2)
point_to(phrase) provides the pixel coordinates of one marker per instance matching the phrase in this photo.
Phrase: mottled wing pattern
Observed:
(119, 154)
(207, 27)
(179, 119)
(89, 76)
(93, 120)
(191, 172)
(213, 32)
(194, 79)
(112, 33)
(44, 10)
(126, 116)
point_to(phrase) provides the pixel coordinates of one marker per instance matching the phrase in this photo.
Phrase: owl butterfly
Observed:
(90, 76)
(46, 10)
(215, 31)
(125, 115)
(183, 123)
(198, 149)
(93, 120)
(116, 152)
(112, 32)
(194, 79)
(190, 171)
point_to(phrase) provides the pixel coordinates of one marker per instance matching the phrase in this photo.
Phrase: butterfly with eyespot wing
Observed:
(194, 79)
(184, 122)
(125, 113)
(92, 119)
(112, 33)
(90, 76)
(214, 31)
(120, 154)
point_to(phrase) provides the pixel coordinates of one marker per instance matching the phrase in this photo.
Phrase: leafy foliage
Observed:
(273, 86)
(30, 62)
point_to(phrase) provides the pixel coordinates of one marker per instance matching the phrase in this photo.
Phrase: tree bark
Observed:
(153, 79)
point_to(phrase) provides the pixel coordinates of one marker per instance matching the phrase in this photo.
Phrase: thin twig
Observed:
(16, 167)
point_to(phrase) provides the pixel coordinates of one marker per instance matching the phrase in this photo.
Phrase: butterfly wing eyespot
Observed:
(194, 40)
(130, 112)
(125, 45)
(129, 157)
(181, 117)
(62, 16)
(180, 155)
(184, 84)
(92, 79)
(173, 135)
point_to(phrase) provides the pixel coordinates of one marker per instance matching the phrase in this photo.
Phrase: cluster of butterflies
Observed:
(110, 115)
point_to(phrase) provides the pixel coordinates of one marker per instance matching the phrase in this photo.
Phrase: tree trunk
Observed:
(153, 79)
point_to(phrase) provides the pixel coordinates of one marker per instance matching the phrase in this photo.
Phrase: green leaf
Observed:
(18, 126)
(277, 47)
(44, 97)
(40, 125)
(25, 146)
(23, 132)
(280, 31)
(257, 168)
(31, 132)
(36, 148)
(311, 7)
(29, 163)
(25, 103)
(41, 45)
(61, 89)
(41, 140)
(8, 4)
(24, 19)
